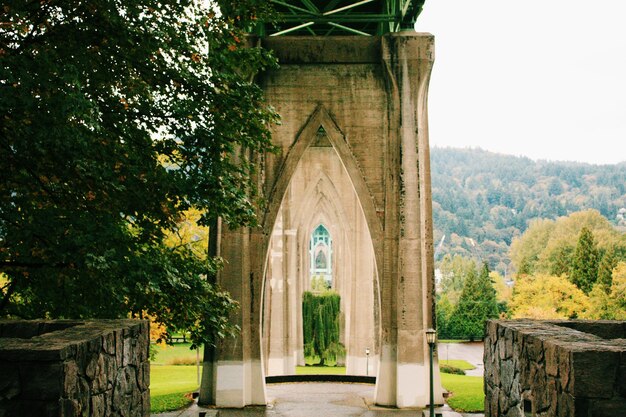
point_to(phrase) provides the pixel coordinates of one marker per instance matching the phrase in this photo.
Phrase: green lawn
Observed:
(466, 392)
(168, 386)
(458, 363)
(320, 370)
(168, 355)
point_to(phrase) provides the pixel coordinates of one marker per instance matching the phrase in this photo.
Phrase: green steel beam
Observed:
(348, 29)
(344, 19)
(322, 17)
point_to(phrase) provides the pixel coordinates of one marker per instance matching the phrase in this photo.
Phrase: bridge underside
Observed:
(361, 101)
(341, 17)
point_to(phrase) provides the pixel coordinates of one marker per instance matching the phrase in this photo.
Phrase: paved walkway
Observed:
(469, 351)
(312, 400)
(337, 400)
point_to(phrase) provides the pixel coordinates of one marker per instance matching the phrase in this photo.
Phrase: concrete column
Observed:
(408, 58)
(238, 373)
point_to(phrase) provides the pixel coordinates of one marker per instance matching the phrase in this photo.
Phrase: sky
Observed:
(544, 79)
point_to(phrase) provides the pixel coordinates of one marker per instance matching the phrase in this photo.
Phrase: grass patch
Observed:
(466, 392)
(320, 370)
(458, 363)
(168, 386)
(176, 354)
(169, 402)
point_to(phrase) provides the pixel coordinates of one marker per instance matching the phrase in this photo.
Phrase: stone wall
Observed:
(74, 368)
(555, 368)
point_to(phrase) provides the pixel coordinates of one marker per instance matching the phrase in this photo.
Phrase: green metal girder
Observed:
(341, 17)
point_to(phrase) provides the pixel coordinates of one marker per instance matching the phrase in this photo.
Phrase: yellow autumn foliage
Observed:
(544, 296)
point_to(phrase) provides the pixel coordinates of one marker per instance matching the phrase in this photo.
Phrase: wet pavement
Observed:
(471, 352)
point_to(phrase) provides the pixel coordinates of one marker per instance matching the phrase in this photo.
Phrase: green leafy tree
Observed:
(476, 305)
(584, 269)
(115, 118)
(320, 325)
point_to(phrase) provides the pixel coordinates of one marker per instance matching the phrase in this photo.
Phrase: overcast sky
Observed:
(540, 78)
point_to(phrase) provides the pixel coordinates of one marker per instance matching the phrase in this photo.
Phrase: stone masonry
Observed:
(74, 368)
(555, 368)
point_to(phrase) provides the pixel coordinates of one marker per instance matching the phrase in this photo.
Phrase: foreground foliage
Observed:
(116, 118)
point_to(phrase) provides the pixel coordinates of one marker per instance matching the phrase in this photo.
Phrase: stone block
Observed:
(41, 381)
(39, 409)
(143, 376)
(70, 379)
(609, 408)
(98, 406)
(108, 343)
(9, 381)
(565, 405)
(594, 373)
(69, 371)
(621, 379)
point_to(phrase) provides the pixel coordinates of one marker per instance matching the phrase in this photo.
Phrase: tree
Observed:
(444, 309)
(611, 304)
(584, 269)
(605, 269)
(320, 325)
(115, 119)
(545, 296)
(454, 269)
(476, 305)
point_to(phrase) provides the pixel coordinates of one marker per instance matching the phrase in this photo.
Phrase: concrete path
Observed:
(472, 352)
(312, 400)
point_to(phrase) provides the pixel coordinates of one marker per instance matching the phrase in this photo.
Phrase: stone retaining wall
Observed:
(74, 368)
(555, 368)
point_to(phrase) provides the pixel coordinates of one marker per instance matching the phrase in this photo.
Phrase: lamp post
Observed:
(367, 361)
(431, 338)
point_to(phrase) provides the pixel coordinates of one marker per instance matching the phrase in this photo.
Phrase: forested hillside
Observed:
(482, 200)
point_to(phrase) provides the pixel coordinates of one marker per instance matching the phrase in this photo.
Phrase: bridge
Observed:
(347, 198)
(341, 17)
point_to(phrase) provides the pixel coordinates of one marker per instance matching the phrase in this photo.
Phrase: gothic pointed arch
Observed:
(321, 121)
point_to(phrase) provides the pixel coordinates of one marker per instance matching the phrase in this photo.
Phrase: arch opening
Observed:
(320, 236)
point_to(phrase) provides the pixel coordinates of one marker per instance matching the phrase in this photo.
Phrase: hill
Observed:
(482, 200)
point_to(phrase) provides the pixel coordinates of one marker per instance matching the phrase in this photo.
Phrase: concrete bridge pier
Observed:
(368, 97)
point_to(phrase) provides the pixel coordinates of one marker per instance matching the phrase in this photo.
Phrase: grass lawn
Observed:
(466, 392)
(458, 363)
(320, 370)
(168, 386)
(169, 355)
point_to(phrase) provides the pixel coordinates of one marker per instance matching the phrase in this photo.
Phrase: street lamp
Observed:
(367, 361)
(431, 338)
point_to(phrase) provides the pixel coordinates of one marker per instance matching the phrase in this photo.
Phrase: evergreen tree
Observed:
(605, 270)
(476, 305)
(445, 309)
(584, 270)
